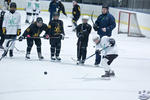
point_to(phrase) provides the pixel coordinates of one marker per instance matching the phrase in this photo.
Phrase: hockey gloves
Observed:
(95, 27)
(62, 36)
(112, 42)
(4, 30)
(21, 38)
(46, 36)
(18, 32)
(98, 52)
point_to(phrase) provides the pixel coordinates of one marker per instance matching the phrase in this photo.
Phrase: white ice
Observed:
(25, 80)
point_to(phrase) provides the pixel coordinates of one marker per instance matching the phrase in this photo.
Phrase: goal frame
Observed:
(128, 24)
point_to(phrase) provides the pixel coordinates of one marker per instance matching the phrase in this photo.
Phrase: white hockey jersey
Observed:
(29, 6)
(104, 43)
(36, 7)
(12, 22)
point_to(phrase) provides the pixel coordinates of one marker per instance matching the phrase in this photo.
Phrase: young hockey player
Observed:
(56, 33)
(2, 38)
(29, 11)
(33, 35)
(105, 23)
(108, 54)
(76, 14)
(6, 3)
(53, 6)
(11, 27)
(36, 9)
(83, 30)
(61, 8)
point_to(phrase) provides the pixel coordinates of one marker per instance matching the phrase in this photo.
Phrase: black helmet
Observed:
(39, 20)
(13, 5)
(55, 14)
(105, 6)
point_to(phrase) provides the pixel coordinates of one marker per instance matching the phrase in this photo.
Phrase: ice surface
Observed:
(25, 80)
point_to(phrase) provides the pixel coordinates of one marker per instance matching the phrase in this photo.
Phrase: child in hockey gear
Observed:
(53, 6)
(36, 9)
(56, 32)
(7, 2)
(83, 30)
(61, 8)
(33, 35)
(2, 38)
(75, 13)
(105, 23)
(11, 27)
(108, 54)
(29, 11)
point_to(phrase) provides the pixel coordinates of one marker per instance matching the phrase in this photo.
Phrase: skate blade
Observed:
(105, 78)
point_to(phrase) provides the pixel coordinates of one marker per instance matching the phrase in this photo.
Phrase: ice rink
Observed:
(25, 80)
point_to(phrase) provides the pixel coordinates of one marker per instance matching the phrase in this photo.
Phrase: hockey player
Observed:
(61, 8)
(36, 9)
(33, 35)
(56, 33)
(53, 6)
(11, 27)
(2, 13)
(76, 14)
(29, 11)
(83, 30)
(105, 23)
(7, 2)
(108, 54)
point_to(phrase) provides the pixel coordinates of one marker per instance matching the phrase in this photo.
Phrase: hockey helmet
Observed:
(13, 5)
(39, 20)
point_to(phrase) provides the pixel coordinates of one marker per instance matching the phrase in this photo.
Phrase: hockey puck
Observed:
(45, 73)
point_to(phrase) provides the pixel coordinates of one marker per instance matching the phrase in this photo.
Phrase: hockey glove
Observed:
(98, 52)
(112, 42)
(4, 30)
(28, 36)
(21, 38)
(62, 36)
(95, 27)
(46, 36)
(18, 32)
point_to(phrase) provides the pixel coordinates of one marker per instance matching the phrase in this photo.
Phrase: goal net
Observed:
(128, 24)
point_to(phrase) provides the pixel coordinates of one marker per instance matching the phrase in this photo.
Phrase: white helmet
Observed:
(85, 17)
(96, 38)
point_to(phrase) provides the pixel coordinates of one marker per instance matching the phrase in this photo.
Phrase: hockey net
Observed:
(128, 24)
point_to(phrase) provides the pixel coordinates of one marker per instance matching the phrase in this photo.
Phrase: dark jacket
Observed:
(56, 28)
(35, 31)
(83, 31)
(1, 21)
(53, 7)
(76, 11)
(105, 21)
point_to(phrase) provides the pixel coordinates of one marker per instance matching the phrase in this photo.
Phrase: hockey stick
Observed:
(6, 51)
(21, 51)
(92, 15)
(95, 53)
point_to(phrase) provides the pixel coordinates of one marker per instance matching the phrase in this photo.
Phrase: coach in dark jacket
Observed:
(53, 6)
(1, 24)
(105, 23)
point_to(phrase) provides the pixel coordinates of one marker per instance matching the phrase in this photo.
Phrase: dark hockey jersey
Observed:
(35, 31)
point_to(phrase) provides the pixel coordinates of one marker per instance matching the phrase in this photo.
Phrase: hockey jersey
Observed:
(12, 22)
(103, 44)
(29, 6)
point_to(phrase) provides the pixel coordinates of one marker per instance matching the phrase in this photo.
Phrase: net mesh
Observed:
(128, 24)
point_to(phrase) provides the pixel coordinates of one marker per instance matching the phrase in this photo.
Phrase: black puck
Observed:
(45, 73)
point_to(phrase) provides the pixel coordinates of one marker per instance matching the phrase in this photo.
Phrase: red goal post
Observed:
(128, 24)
